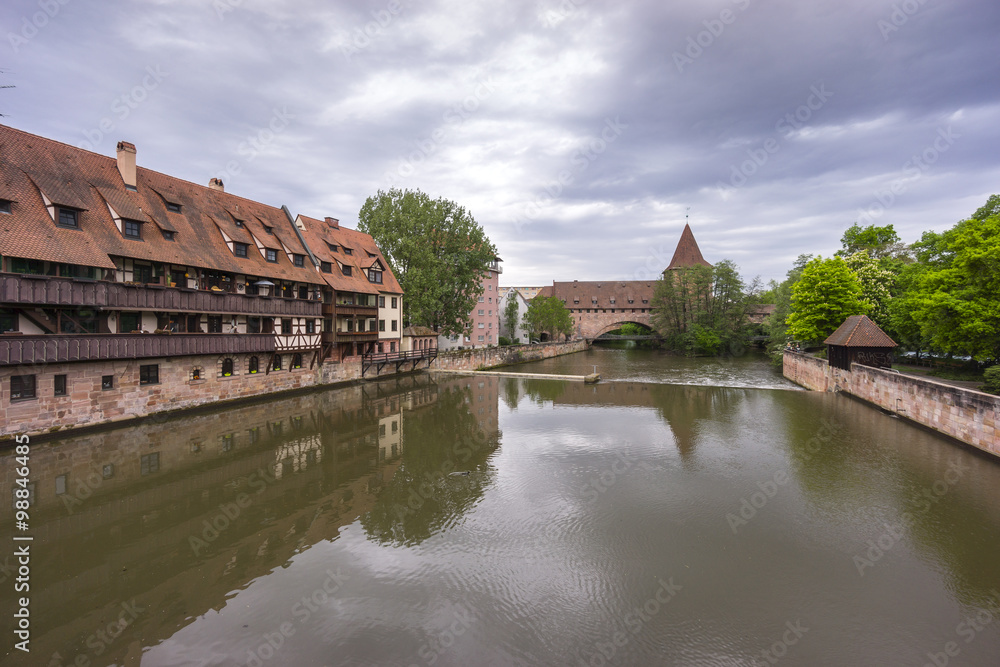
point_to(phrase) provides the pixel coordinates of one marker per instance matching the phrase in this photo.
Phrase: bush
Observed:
(504, 341)
(992, 378)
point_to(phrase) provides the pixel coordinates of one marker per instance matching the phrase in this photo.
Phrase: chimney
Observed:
(217, 184)
(126, 163)
(333, 222)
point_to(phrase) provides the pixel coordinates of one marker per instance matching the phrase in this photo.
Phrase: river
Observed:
(681, 512)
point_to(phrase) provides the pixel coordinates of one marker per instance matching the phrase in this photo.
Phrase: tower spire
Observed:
(687, 253)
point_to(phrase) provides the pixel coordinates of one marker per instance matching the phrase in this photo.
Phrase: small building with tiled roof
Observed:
(859, 340)
(419, 339)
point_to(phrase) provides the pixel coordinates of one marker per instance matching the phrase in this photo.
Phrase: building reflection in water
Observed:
(139, 530)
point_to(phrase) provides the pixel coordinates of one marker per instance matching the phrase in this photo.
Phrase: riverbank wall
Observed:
(491, 357)
(969, 416)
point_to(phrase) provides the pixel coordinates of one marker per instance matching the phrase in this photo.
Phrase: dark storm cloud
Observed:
(578, 133)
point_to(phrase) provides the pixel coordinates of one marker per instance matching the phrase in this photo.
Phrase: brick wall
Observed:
(471, 360)
(969, 416)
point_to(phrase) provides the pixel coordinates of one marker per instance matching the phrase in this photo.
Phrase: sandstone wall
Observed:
(481, 358)
(966, 415)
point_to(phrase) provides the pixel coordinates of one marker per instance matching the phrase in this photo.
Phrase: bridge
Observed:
(617, 337)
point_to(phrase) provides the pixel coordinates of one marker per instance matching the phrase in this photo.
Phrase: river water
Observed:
(681, 512)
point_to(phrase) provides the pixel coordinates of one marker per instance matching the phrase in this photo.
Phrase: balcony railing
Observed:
(49, 291)
(365, 311)
(56, 348)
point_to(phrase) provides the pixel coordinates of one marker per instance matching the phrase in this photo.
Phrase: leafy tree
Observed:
(956, 299)
(827, 293)
(703, 310)
(437, 251)
(510, 314)
(876, 285)
(988, 210)
(992, 378)
(880, 242)
(777, 324)
(548, 314)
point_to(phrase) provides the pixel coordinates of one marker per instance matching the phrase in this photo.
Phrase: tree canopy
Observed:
(510, 314)
(548, 314)
(879, 242)
(437, 251)
(826, 294)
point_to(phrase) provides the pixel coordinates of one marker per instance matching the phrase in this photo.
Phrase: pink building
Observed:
(485, 314)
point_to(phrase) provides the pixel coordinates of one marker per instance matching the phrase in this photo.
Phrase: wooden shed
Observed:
(861, 341)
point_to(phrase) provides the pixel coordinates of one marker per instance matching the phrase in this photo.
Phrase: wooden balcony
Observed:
(356, 336)
(56, 348)
(363, 311)
(49, 291)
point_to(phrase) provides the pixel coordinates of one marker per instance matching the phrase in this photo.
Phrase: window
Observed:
(480, 339)
(107, 382)
(348, 251)
(253, 365)
(482, 312)
(299, 260)
(276, 366)
(173, 208)
(286, 325)
(239, 223)
(271, 255)
(253, 434)
(60, 385)
(240, 249)
(381, 325)
(381, 302)
(62, 481)
(482, 299)
(490, 299)
(108, 471)
(22, 387)
(269, 230)
(4, 206)
(227, 367)
(132, 229)
(169, 236)
(8, 320)
(346, 270)
(326, 267)
(215, 324)
(68, 218)
(392, 346)
(296, 361)
(195, 373)
(394, 325)
(149, 463)
(393, 303)
(129, 322)
(332, 247)
(227, 441)
(374, 276)
(149, 374)
(310, 326)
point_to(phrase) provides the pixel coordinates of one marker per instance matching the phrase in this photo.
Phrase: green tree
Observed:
(777, 322)
(877, 284)
(880, 242)
(988, 210)
(548, 314)
(827, 293)
(703, 310)
(437, 251)
(956, 299)
(510, 315)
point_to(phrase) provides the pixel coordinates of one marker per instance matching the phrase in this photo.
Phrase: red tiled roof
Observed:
(859, 331)
(599, 293)
(687, 253)
(319, 235)
(418, 330)
(32, 165)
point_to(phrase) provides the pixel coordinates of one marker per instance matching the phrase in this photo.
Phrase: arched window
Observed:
(277, 363)
(296, 360)
(253, 365)
(227, 367)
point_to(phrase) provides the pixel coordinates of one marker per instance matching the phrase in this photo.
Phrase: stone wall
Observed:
(969, 416)
(479, 359)
(592, 325)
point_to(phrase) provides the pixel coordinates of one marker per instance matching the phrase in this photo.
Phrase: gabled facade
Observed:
(363, 302)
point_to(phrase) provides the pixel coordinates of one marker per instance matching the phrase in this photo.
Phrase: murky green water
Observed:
(631, 522)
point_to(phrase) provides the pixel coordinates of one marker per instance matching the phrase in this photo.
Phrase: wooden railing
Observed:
(56, 348)
(378, 360)
(49, 291)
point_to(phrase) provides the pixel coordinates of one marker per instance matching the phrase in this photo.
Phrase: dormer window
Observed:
(348, 251)
(612, 299)
(269, 230)
(326, 267)
(332, 247)
(168, 236)
(374, 276)
(299, 260)
(239, 223)
(240, 249)
(345, 269)
(132, 229)
(5, 205)
(68, 218)
(173, 208)
(371, 254)
(271, 255)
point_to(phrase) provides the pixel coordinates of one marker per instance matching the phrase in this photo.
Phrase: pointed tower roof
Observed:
(687, 253)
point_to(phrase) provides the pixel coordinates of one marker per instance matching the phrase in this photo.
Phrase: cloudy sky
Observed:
(578, 133)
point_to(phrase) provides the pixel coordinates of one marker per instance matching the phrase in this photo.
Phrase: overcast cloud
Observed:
(578, 133)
